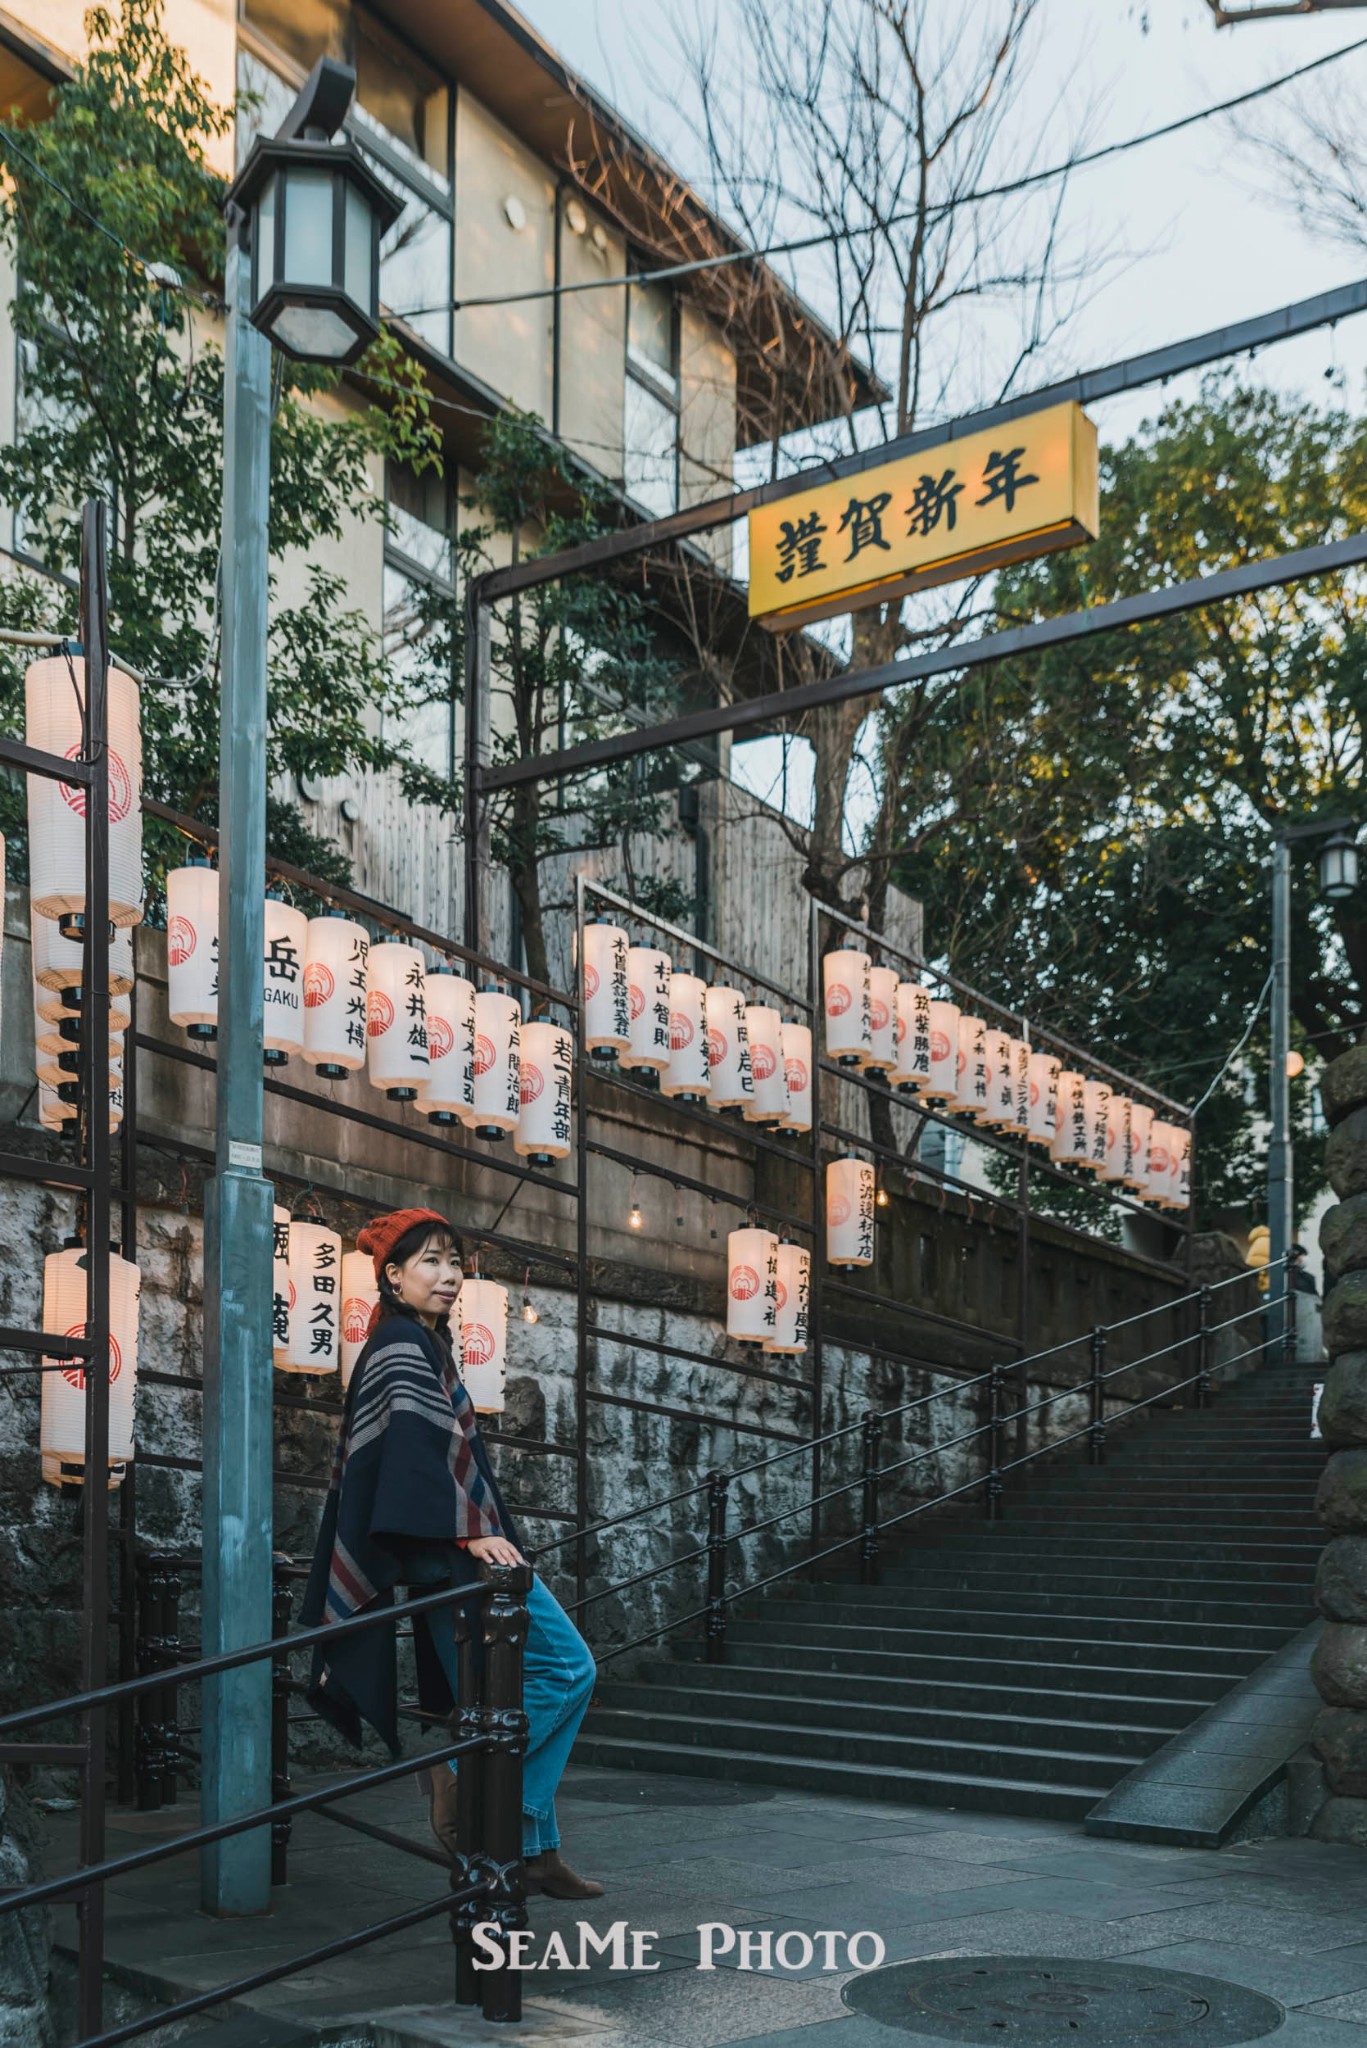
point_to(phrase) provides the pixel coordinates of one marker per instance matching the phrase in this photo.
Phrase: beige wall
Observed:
(593, 342)
(707, 421)
(509, 347)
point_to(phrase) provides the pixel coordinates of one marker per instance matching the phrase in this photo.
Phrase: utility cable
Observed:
(1253, 1017)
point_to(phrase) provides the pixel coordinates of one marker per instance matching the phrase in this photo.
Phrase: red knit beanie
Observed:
(379, 1238)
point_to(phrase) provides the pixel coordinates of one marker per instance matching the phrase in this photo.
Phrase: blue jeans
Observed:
(557, 1684)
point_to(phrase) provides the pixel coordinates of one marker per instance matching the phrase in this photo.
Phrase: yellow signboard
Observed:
(999, 496)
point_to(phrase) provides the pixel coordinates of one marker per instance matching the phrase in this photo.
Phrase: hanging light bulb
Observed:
(635, 1220)
(529, 1314)
(882, 1197)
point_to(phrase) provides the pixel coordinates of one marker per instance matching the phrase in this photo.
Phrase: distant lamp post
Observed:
(315, 213)
(1339, 864)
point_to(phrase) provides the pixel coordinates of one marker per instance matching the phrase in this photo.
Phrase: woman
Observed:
(411, 1486)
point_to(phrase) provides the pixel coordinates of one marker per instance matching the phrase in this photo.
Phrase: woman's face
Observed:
(430, 1280)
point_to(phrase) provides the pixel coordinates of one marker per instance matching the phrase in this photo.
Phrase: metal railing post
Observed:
(151, 1633)
(1096, 1428)
(172, 1587)
(1203, 1349)
(715, 1626)
(504, 1906)
(868, 1542)
(1289, 1310)
(282, 1605)
(992, 1492)
(466, 1726)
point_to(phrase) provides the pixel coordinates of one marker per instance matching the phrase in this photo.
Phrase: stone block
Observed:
(1339, 1738)
(1339, 1665)
(1343, 1404)
(1342, 1820)
(1341, 1499)
(1343, 1237)
(1307, 1788)
(1345, 1315)
(1341, 1579)
(1345, 1155)
(1343, 1084)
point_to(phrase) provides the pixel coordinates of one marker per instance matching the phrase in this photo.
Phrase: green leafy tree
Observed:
(1090, 828)
(114, 218)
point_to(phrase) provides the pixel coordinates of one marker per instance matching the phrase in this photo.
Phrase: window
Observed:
(418, 568)
(650, 424)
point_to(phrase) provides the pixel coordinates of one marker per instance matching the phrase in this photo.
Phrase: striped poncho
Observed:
(410, 1480)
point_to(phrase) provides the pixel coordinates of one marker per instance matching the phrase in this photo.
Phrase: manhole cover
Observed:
(1044, 1998)
(627, 1790)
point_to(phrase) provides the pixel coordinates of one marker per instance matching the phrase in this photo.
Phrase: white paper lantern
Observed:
(498, 1059)
(881, 1057)
(1072, 1142)
(764, 1031)
(192, 949)
(62, 1417)
(315, 1281)
(54, 696)
(686, 1073)
(751, 1285)
(730, 1083)
(1161, 1137)
(1044, 1071)
(797, 1072)
(1117, 1139)
(58, 1039)
(849, 1212)
(545, 1091)
(999, 1111)
(607, 993)
(1098, 1123)
(287, 935)
(1179, 1177)
(336, 954)
(794, 1300)
(359, 1297)
(970, 1081)
(846, 996)
(115, 1093)
(59, 962)
(649, 972)
(1137, 1157)
(396, 1019)
(482, 1316)
(282, 1294)
(448, 1092)
(943, 1083)
(911, 1036)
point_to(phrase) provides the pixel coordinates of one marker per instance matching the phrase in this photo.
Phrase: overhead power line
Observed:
(826, 236)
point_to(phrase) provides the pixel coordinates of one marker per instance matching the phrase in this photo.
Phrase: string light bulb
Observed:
(529, 1314)
(635, 1221)
(882, 1197)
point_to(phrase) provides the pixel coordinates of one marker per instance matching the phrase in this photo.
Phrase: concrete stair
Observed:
(1024, 1666)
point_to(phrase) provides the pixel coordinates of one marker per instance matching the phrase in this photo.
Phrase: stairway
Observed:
(1019, 1667)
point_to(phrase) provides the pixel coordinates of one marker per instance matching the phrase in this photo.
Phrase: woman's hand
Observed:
(494, 1550)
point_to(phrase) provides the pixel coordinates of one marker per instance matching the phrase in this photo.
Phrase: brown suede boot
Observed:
(550, 1875)
(441, 1809)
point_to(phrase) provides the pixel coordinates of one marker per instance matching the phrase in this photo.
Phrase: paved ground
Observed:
(1288, 1919)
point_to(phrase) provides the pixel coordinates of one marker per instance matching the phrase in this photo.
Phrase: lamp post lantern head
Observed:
(312, 212)
(1339, 865)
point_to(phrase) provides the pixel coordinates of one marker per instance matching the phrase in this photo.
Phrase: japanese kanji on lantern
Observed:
(1043, 1071)
(686, 1074)
(287, 931)
(545, 1089)
(911, 1036)
(396, 1019)
(751, 1284)
(1005, 494)
(794, 1300)
(336, 951)
(192, 949)
(359, 1297)
(498, 1065)
(847, 1005)
(1098, 1123)
(607, 991)
(730, 1082)
(54, 701)
(649, 973)
(1072, 1141)
(447, 1090)
(1000, 1105)
(1117, 1139)
(315, 1281)
(1179, 1177)
(849, 1212)
(881, 1057)
(970, 1082)
(943, 1082)
(482, 1318)
(1137, 1154)
(62, 1436)
(797, 1072)
(769, 1103)
(282, 1294)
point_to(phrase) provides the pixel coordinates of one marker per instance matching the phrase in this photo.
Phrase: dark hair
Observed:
(409, 1245)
